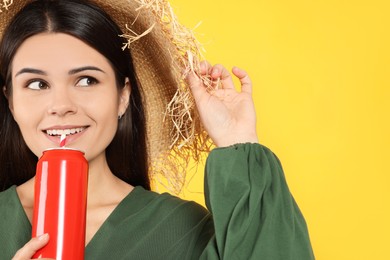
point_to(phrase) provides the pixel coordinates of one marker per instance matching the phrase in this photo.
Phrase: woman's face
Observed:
(61, 85)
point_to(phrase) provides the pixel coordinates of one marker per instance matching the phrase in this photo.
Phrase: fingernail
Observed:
(202, 67)
(42, 237)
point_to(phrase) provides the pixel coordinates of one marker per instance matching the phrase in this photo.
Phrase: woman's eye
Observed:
(37, 85)
(86, 81)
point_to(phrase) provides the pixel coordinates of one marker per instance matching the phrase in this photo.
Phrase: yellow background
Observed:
(321, 76)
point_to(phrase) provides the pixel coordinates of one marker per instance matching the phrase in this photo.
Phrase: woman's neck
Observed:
(103, 186)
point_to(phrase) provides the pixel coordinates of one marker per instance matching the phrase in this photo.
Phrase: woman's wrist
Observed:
(237, 139)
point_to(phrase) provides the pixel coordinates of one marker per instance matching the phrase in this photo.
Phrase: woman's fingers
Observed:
(205, 67)
(246, 83)
(31, 247)
(213, 78)
(218, 76)
(219, 72)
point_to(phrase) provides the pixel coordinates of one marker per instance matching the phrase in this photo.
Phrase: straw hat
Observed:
(162, 50)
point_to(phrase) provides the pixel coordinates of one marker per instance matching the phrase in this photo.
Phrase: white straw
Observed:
(62, 140)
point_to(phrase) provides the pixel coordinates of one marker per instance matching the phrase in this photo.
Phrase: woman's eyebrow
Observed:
(81, 69)
(71, 72)
(30, 70)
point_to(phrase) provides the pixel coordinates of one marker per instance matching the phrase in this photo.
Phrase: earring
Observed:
(120, 116)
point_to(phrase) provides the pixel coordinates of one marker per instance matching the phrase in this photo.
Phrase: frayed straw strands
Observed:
(5, 4)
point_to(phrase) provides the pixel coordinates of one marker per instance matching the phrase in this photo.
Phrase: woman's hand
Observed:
(31, 247)
(228, 115)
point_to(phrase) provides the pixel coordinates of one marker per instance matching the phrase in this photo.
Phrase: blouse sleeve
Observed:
(254, 213)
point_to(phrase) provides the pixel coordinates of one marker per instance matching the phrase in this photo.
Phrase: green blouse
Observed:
(252, 215)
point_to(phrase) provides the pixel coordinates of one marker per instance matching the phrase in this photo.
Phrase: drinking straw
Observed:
(62, 140)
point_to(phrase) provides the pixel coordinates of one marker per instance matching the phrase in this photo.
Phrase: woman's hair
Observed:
(127, 153)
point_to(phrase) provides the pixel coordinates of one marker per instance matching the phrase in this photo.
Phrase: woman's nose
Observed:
(62, 103)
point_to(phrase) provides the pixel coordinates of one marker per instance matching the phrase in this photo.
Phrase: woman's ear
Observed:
(5, 92)
(124, 98)
(10, 105)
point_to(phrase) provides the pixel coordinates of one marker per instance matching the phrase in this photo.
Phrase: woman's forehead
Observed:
(57, 50)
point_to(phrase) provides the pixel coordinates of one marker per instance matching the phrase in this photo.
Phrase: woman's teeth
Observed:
(65, 131)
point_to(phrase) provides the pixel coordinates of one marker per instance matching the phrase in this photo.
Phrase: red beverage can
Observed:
(60, 203)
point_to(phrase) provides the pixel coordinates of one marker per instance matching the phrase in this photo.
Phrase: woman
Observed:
(60, 73)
